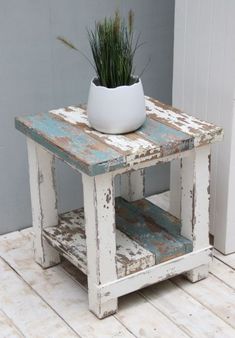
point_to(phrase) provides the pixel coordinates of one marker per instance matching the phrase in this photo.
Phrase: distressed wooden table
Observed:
(124, 243)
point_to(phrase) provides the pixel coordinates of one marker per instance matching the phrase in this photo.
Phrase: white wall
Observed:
(203, 85)
(37, 73)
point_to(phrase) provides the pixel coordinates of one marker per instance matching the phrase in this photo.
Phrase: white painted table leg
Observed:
(99, 211)
(43, 201)
(133, 185)
(175, 188)
(195, 203)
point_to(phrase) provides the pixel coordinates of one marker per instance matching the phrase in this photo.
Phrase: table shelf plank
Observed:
(70, 240)
(148, 232)
(132, 253)
(156, 214)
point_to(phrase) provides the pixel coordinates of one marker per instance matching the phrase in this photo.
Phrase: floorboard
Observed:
(226, 259)
(214, 295)
(17, 300)
(8, 327)
(223, 272)
(187, 312)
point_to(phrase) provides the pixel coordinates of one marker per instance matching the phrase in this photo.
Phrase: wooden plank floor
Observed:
(52, 303)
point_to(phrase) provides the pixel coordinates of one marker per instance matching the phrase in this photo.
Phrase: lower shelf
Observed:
(146, 235)
(70, 240)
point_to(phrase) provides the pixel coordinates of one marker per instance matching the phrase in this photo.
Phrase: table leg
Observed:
(175, 188)
(99, 211)
(43, 201)
(195, 196)
(132, 185)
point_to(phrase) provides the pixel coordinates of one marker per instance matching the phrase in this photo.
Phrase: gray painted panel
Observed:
(37, 74)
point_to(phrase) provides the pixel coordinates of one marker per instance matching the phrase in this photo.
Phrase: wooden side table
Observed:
(126, 243)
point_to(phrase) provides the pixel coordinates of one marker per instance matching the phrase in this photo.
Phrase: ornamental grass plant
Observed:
(113, 45)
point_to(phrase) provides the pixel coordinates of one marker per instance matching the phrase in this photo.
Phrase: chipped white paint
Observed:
(73, 115)
(69, 239)
(125, 144)
(136, 164)
(101, 235)
(195, 196)
(134, 159)
(43, 200)
(133, 185)
(154, 274)
(100, 238)
(115, 269)
(202, 131)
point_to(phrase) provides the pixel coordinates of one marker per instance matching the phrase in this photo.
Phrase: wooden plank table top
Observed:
(66, 133)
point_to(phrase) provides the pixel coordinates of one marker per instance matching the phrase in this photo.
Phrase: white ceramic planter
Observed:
(116, 110)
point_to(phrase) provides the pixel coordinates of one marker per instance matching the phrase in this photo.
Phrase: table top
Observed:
(67, 134)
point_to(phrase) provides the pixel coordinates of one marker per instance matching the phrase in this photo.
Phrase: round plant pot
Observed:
(116, 110)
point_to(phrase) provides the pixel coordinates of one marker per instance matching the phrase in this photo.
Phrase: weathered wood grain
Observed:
(66, 132)
(201, 131)
(70, 239)
(151, 137)
(70, 144)
(158, 215)
(145, 230)
(156, 231)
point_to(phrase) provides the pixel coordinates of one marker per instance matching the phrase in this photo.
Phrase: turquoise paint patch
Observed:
(167, 137)
(70, 144)
(158, 215)
(148, 233)
(89, 155)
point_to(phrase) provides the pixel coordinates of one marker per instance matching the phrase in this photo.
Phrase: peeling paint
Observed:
(203, 132)
(70, 239)
(67, 133)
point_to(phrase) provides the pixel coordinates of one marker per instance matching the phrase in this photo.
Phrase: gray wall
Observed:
(37, 73)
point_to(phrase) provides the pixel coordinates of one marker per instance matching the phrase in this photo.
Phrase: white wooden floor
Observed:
(53, 303)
